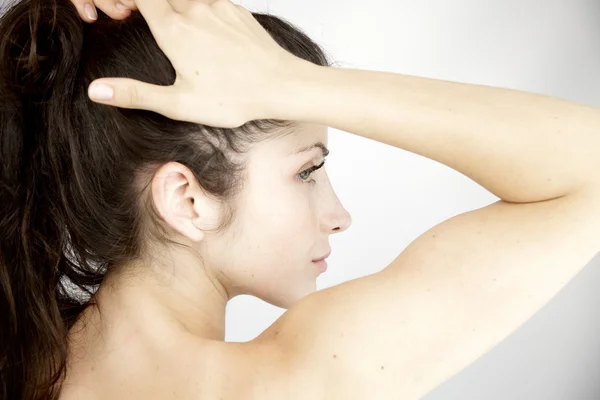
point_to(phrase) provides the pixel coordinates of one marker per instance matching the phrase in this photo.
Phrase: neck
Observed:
(188, 300)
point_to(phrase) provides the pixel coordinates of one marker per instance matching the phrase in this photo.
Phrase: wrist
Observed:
(293, 91)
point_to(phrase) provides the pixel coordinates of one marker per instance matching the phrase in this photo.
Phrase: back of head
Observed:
(72, 171)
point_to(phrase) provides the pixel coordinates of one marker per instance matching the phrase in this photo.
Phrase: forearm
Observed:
(520, 146)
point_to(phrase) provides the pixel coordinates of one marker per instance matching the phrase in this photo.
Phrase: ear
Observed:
(182, 203)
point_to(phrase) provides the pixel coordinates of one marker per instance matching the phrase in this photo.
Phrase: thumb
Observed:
(129, 93)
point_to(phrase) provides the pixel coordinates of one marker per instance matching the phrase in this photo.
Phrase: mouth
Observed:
(323, 258)
(320, 265)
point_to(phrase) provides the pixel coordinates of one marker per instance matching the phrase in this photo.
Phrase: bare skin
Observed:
(448, 298)
(88, 9)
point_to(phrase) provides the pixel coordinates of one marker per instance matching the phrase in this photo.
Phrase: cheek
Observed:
(281, 217)
(283, 232)
(282, 209)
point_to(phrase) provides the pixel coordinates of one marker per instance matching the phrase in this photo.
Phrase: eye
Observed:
(304, 175)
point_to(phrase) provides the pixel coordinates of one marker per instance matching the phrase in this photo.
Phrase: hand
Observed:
(116, 9)
(227, 65)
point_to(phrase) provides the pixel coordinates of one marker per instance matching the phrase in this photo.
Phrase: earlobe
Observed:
(200, 232)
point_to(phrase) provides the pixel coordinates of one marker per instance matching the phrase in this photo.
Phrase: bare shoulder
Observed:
(448, 298)
(187, 368)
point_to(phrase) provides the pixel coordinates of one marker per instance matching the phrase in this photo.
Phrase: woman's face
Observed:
(283, 222)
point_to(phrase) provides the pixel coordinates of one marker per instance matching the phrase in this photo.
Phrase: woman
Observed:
(126, 232)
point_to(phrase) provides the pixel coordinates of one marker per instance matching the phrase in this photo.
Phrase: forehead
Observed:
(288, 143)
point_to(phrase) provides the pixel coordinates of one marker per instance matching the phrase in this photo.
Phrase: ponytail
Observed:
(40, 42)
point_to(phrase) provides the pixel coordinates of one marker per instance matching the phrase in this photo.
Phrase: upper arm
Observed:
(448, 298)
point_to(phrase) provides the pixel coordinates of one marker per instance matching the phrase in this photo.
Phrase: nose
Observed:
(339, 220)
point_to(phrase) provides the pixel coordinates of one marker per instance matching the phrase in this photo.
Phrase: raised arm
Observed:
(467, 283)
(521, 146)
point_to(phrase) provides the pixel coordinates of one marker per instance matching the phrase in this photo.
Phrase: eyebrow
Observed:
(317, 145)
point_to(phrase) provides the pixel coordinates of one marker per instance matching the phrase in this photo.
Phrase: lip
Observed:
(324, 257)
(320, 265)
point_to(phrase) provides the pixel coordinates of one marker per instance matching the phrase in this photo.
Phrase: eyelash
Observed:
(309, 171)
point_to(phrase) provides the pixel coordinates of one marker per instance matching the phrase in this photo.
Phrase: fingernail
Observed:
(90, 11)
(101, 91)
(121, 6)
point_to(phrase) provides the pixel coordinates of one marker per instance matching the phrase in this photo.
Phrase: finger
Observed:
(129, 93)
(179, 6)
(113, 8)
(224, 8)
(154, 11)
(130, 4)
(86, 10)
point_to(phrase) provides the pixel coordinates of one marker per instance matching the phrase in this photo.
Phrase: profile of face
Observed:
(285, 215)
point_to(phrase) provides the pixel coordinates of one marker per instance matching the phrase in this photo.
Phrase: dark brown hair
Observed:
(72, 171)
